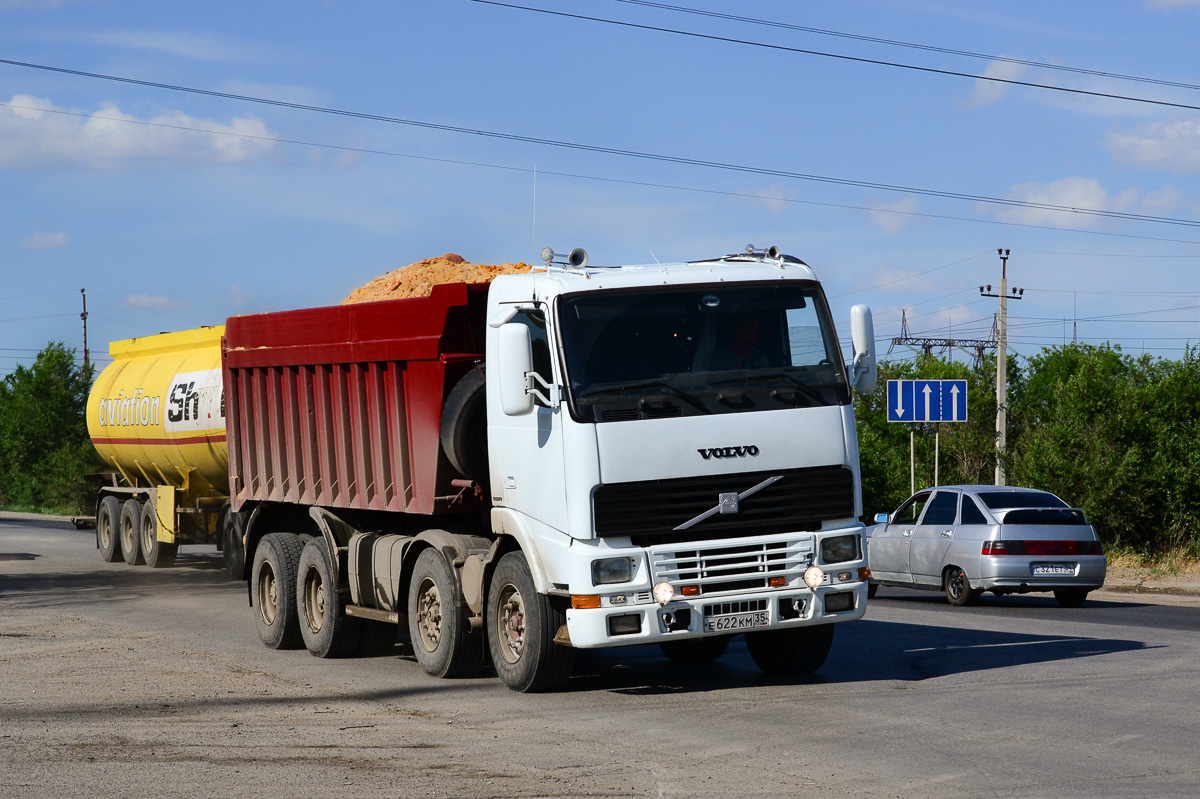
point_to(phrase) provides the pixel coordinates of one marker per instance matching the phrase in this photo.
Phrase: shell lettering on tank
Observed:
(195, 401)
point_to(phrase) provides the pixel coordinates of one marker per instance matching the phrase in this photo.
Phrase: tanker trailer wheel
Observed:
(800, 650)
(273, 590)
(131, 524)
(521, 625)
(326, 629)
(108, 528)
(233, 551)
(158, 554)
(438, 623)
(464, 427)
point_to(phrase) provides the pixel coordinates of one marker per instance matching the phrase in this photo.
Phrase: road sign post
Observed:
(926, 402)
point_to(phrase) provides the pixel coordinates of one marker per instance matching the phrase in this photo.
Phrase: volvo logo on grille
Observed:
(728, 452)
(729, 502)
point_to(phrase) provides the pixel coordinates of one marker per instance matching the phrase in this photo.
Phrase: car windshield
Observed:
(997, 500)
(695, 350)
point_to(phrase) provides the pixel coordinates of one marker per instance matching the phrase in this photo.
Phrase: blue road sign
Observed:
(927, 400)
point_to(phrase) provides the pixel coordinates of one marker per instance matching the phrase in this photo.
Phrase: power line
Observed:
(839, 56)
(601, 149)
(912, 45)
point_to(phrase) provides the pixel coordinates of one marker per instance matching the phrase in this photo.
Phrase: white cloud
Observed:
(892, 218)
(151, 303)
(775, 198)
(987, 92)
(184, 44)
(1081, 193)
(38, 135)
(1172, 144)
(46, 241)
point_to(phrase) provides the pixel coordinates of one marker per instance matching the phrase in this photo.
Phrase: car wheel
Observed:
(1071, 597)
(958, 588)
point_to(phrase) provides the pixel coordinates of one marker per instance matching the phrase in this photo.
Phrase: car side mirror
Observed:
(862, 333)
(516, 362)
(881, 518)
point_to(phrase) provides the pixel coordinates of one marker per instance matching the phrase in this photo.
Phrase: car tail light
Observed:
(1042, 548)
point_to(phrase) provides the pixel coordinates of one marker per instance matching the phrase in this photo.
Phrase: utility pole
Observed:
(1002, 360)
(83, 316)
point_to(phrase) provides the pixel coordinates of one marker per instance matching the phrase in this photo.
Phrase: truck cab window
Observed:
(540, 343)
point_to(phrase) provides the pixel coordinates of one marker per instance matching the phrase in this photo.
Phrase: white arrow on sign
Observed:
(900, 399)
(927, 391)
(954, 403)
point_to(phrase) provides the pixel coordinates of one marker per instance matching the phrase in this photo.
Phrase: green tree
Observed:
(44, 446)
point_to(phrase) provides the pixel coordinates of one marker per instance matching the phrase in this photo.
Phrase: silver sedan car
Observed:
(965, 540)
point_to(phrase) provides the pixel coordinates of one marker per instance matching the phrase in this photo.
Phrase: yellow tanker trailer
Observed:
(156, 414)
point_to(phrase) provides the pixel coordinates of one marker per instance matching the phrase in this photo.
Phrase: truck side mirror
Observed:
(862, 333)
(516, 362)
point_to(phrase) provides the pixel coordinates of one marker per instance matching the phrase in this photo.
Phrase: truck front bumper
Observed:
(638, 619)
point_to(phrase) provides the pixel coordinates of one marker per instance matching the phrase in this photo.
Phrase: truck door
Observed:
(931, 538)
(526, 451)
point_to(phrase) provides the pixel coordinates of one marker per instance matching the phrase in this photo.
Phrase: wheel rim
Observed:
(955, 583)
(314, 600)
(429, 615)
(106, 531)
(510, 623)
(149, 533)
(268, 594)
(128, 535)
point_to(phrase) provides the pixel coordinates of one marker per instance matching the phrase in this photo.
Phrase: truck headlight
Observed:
(839, 549)
(612, 570)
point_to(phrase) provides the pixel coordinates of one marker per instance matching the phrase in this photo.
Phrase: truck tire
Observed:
(696, 650)
(131, 526)
(438, 623)
(233, 551)
(464, 427)
(801, 650)
(158, 554)
(108, 529)
(521, 625)
(326, 629)
(273, 590)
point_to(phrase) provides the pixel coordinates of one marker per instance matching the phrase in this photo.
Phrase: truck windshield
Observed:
(694, 350)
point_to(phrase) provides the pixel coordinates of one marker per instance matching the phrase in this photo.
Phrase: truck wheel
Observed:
(108, 528)
(131, 524)
(464, 427)
(158, 554)
(801, 650)
(437, 620)
(696, 650)
(273, 589)
(233, 550)
(521, 625)
(327, 631)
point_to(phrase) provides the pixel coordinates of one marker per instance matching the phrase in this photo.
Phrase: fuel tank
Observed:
(157, 412)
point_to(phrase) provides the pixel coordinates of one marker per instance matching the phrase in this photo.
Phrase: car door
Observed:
(931, 538)
(888, 547)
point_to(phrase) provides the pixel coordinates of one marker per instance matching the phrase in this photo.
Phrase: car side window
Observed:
(971, 514)
(910, 511)
(943, 508)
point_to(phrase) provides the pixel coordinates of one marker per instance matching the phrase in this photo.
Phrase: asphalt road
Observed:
(120, 681)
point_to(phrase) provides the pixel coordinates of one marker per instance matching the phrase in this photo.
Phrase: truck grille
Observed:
(730, 568)
(649, 511)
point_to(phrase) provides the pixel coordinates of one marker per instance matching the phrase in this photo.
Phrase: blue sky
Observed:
(175, 209)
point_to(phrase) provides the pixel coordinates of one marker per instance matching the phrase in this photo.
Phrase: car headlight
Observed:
(839, 549)
(612, 570)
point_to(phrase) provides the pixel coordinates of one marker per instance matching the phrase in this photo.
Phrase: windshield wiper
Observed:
(774, 374)
(637, 386)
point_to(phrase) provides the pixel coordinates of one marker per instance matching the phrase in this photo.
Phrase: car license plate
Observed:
(1054, 569)
(736, 621)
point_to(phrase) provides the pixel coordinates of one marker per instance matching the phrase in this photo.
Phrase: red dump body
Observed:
(341, 406)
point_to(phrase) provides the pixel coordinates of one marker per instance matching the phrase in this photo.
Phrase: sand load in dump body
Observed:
(156, 414)
(371, 407)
